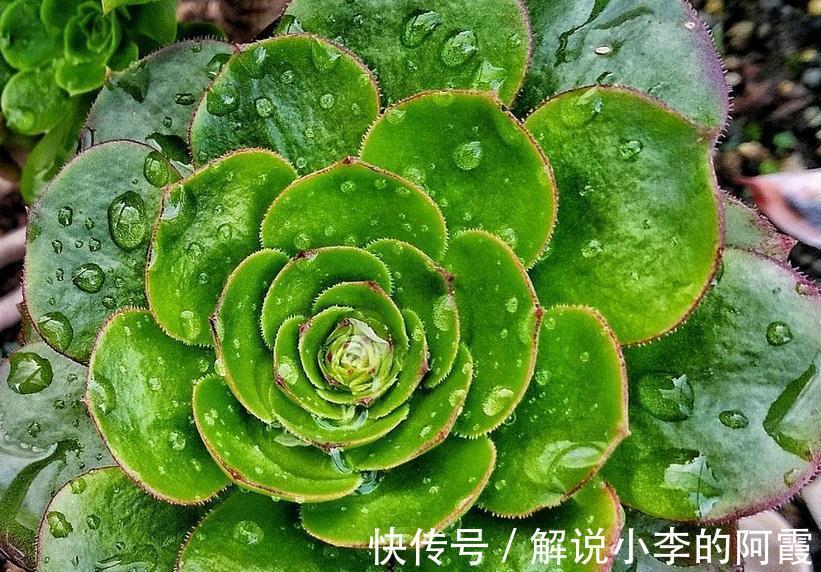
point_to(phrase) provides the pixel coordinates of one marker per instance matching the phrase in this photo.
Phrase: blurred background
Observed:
(772, 52)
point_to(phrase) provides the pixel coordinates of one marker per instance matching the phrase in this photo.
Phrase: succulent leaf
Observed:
(261, 457)
(209, 224)
(616, 43)
(459, 146)
(86, 254)
(139, 392)
(26, 42)
(637, 190)
(360, 203)
(32, 101)
(721, 411)
(570, 420)
(748, 229)
(102, 520)
(499, 318)
(441, 45)
(432, 491)
(279, 92)
(252, 533)
(48, 438)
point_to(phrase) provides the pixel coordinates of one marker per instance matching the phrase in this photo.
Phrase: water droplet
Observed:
(666, 397)
(65, 216)
(489, 77)
(695, 478)
(29, 373)
(468, 156)
(103, 394)
(324, 56)
(579, 111)
(734, 419)
(88, 277)
(264, 107)
(459, 48)
(176, 440)
(690, 25)
(592, 248)
(254, 61)
(58, 524)
(248, 532)
(155, 170)
(347, 187)
(603, 50)
(456, 396)
(444, 313)
(33, 429)
(542, 377)
(327, 101)
(302, 241)
(93, 522)
(190, 324)
(57, 246)
(395, 115)
(497, 400)
(94, 245)
(778, 334)
(154, 384)
(512, 304)
(222, 99)
(185, 99)
(127, 222)
(791, 477)
(629, 150)
(109, 302)
(418, 28)
(78, 485)
(56, 329)
(167, 122)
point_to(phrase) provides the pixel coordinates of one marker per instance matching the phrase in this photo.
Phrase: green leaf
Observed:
(459, 147)
(500, 317)
(423, 287)
(78, 78)
(54, 14)
(24, 41)
(102, 520)
(126, 53)
(249, 532)
(86, 250)
(432, 491)
(298, 95)
(722, 412)
(432, 415)
(572, 417)
(637, 191)
(139, 394)
(54, 150)
(247, 360)
(436, 45)
(90, 35)
(153, 100)
(49, 439)
(32, 101)
(209, 224)
(357, 204)
(157, 20)
(616, 43)
(261, 457)
(306, 276)
(109, 5)
(594, 512)
(748, 229)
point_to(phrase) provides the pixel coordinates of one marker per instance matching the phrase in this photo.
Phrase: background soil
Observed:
(772, 51)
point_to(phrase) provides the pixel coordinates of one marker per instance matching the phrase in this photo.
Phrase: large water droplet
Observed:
(93, 522)
(629, 150)
(58, 524)
(778, 334)
(578, 111)
(185, 99)
(190, 324)
(254, 61)
(248, 532)
(222, 99)
(327, 101)
(56, 329)
(786, 420)
(127, 222)
(264, 107)
(444, 313)
(459, 48)
(155, 170)
(324, 56)
(418, 28)
(176, 440)
(489, 77)
(696, 480)
(734, 419)
(666, 397)
(65, 216)
(88, 277)
(29, 373)
(302, 241)
(497, 400)
(468, 156)
(103, 395)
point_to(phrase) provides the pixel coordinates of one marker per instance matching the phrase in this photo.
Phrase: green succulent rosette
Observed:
(329, 286)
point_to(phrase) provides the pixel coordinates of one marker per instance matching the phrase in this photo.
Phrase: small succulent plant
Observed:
(307, 310)
(54, 52)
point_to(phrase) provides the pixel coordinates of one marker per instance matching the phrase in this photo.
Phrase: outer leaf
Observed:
(637, 190)
(298, 95)
(54, 14)
(209, 223)
(748, 229)
(109, 5)
(237, 335)
(500, 318)
(722, 411)
(153, 100)
(593, 510)
(436, 45)
(32, 101)
(262, 458)
(25, 43)
(78, 78)
(431, 492)
(86, 251)
(139, 394)
(250, 533)
(102, 520)
(570, 420)
(353, 203)
(459, 147)
(157, 20)
(48, 440)
(616, 43)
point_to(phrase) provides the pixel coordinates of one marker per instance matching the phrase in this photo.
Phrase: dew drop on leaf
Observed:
(56, 329)
(65, 216)
(666, 397)
(778, 334)
(29, 373)
(127, 222)
(155, 170)
(264, 107)
(459, 48)
(733, 419)
(468, 156)
(222, 99)
(497, 400)
(629, 150)
(58, 524)
(248, 532)
(418, 28)
(88, 277)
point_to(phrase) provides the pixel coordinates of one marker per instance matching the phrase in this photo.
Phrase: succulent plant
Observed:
(54, 52)
(308, 311)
